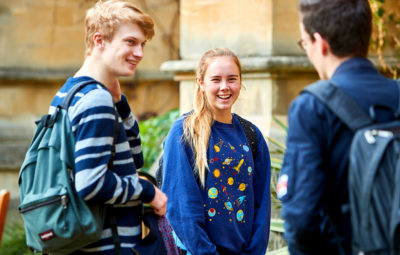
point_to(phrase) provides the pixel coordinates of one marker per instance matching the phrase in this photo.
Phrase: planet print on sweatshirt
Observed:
(213, 193)
(230, 174)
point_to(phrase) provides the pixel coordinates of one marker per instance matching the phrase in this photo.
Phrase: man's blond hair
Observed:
(105, 17)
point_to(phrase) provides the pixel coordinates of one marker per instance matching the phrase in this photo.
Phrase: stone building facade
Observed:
(42, 43)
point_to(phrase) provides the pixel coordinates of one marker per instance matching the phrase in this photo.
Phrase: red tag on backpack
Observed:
(47, 235)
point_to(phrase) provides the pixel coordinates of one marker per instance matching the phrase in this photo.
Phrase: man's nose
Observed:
(138, 51)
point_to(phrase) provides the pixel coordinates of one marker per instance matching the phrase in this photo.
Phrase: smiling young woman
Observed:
(221, 83)
(218, 194)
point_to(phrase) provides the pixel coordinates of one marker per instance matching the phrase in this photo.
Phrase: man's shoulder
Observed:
(306, 102)
(92, 96)
(93, 93)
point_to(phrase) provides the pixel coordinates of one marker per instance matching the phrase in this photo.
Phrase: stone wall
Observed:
(42, 43)
(263, 33)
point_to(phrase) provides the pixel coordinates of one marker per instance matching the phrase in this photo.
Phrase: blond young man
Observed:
(116, 33)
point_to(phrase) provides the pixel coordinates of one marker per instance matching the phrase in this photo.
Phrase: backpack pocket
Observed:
(48, 219)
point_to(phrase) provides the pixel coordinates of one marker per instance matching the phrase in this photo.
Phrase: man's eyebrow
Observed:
(132, 37)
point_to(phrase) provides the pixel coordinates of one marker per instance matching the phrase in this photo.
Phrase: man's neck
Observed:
(333, 63)
(94, 68)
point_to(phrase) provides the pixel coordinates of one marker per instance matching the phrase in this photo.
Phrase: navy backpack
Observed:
(373, 172)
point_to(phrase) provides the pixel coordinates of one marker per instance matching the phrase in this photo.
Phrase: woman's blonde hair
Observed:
(197, 126)
(106, 16)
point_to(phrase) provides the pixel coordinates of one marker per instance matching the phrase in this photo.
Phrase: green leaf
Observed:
(281, 251)
(280, 123)
(277, 225)
(277, 143)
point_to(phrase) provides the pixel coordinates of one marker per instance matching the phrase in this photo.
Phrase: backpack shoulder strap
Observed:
(398, 105)
(250, 133)
(344, 107)
(67, 101)
(71, 93)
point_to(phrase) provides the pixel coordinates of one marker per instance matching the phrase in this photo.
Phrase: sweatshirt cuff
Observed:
(148, 191)
(123, 107)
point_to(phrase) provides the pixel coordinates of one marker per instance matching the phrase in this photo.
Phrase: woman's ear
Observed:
(201, 84)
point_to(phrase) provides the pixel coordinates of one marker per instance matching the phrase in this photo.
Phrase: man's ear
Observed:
(98, 40)
(323, 45)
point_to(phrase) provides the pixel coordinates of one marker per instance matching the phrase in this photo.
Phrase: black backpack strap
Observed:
(114, 230)
(116, 131)
(250, 133)
(159, 171)
(398, 105)
(113, 219)
(344, 107)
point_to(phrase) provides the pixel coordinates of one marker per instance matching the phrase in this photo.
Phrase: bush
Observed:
(14, 242)
(152, 132)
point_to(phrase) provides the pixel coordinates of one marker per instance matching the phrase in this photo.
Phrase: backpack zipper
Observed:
(62, 198)
(369, 135)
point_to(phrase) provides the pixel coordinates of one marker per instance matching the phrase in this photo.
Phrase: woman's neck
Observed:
(223, 117)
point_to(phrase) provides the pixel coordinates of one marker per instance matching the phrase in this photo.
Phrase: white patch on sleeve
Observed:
(281, 187)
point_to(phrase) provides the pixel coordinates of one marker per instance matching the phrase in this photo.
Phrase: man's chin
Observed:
(128, 73)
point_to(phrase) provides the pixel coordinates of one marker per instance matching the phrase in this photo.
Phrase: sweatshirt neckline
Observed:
(224, 125)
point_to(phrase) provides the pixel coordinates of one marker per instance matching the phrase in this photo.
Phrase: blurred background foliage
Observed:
(386, 25)
(152, 133)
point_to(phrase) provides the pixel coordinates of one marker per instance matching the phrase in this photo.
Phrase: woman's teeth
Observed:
(225, 97)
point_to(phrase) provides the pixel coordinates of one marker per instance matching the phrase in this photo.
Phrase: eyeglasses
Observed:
(301, 44)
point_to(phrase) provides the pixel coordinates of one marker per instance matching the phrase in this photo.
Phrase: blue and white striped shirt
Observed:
(92, 118)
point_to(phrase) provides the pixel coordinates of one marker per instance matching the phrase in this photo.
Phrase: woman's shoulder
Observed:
(177, 126)
(247, 124)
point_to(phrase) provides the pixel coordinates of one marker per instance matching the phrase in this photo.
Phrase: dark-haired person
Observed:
(335, 35)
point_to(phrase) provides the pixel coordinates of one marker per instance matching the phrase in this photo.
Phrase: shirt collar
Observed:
(354, 63)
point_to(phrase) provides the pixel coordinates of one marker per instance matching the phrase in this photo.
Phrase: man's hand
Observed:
(115, 91)
(159, 202)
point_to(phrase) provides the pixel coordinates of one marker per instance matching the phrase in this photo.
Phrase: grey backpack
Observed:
(373, 172)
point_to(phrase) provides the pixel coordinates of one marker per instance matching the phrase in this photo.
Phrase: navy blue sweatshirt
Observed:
(313, 180)
(231, 214)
